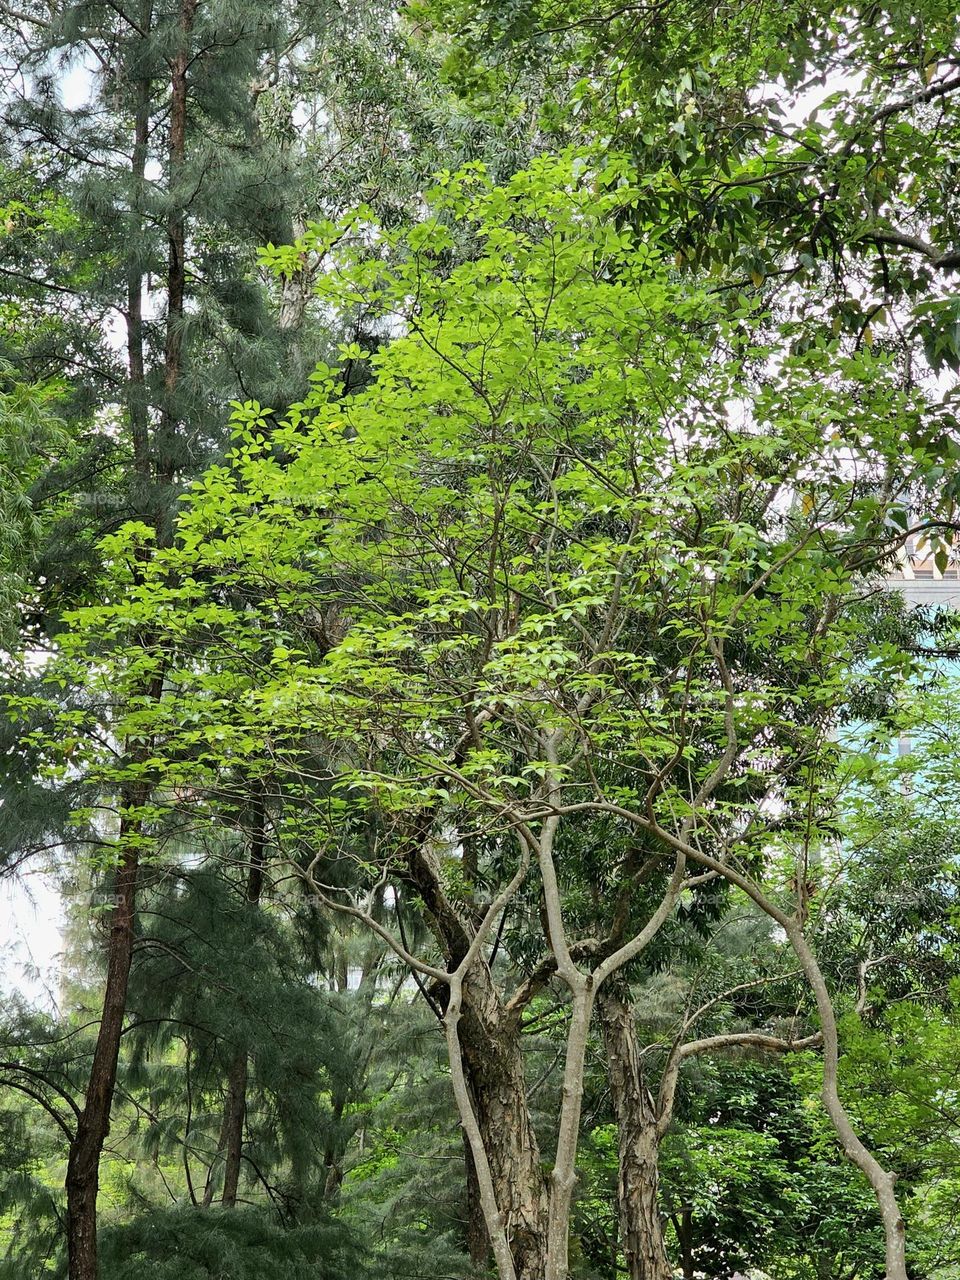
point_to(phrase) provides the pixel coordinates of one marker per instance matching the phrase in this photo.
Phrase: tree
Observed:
(545, 569)
(845, 192)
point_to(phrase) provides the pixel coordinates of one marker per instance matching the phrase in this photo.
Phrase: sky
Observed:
(31, 939)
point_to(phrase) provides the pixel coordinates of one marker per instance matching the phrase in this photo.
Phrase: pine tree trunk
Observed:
(234, 1115)
(136, 373)
(93, 1125)
(230, 1142)
(176, 243)
(83, 1163)
(333, 1154)
(641, 1228)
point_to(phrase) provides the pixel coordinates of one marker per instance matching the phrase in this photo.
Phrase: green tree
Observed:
(544, 476)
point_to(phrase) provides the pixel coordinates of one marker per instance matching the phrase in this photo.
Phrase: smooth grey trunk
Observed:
(564, 1175)
(475, 1229)
(881, 1180)
(487, 1071)
(583, 987)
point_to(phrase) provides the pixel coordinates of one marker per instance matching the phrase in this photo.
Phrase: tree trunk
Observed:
(136, 374)
(83, 1163)
(83, 1160)
(486, 1037)
(230, 1139)
(476, 1236)
(685, 1239)
(233, 1117)
(641, 1228)
(176, 244)
(230, 1142)
(493, 1063)
(296, 289)
(334, 1152)
(93, 1125)
(882, 1180)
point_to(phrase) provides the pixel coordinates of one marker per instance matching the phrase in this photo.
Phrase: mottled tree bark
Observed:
(634, 1109)
(526, 1215)
(493, 1062)
(484, 1035)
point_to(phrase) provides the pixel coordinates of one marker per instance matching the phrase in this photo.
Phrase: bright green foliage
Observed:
(810, 148)
(900, 1074)
(553, 467)
(29, 1196)
(752, 1179)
